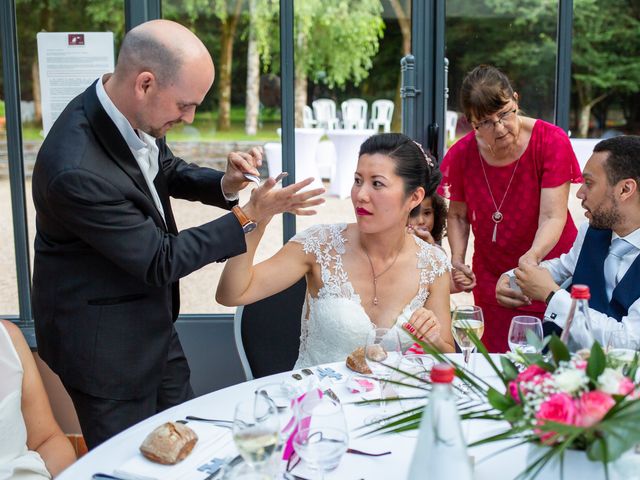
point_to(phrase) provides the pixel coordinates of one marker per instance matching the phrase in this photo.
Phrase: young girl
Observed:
(429, 221)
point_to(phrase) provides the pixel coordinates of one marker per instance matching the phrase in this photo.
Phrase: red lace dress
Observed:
(547, 162)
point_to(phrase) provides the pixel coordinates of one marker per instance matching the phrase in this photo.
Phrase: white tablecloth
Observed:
(347, 144)
(489, 465)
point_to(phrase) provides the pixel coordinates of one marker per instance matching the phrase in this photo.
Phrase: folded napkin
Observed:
(214, 445)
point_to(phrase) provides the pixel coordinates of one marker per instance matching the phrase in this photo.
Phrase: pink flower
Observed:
(626, 386)
(513, 391)
(559, 408)
(581, 364)
(533, 375)
(593, 406)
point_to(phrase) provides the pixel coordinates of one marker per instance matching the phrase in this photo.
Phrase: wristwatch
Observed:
(550, 296)
(248, 225)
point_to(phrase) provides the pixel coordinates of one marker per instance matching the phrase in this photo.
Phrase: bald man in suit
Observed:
(108, 255)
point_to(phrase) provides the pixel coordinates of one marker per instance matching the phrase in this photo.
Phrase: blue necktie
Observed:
(618, 249)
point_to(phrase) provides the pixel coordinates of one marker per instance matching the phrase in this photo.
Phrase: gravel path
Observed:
(197, 289)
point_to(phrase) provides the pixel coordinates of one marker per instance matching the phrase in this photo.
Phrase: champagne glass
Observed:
(519, 334)
(322, 437)
(466, 318)
(283, 396)
(382, 350)
(256, 430)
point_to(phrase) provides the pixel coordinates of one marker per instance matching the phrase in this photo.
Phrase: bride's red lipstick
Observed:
(362, 211)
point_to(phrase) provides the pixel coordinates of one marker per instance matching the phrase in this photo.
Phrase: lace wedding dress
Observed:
(335, 323)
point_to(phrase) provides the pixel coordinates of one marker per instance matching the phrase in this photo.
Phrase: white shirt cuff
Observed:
(558, 309)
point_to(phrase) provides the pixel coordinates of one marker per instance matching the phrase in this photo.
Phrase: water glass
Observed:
(382, 350)
(520, 331)
(416, 368)
(256, 430)
(322, 436)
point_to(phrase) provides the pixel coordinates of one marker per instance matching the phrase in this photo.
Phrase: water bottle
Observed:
(441, 451)
(578, 332)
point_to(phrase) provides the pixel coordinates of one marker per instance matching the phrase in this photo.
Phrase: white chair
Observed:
(354, 113)
(307, 118)
(451, 122)
(381, 115)
(324, 110)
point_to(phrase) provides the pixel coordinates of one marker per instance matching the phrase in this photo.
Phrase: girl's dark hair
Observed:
(485, 90)
(412, 164)
(439, 217)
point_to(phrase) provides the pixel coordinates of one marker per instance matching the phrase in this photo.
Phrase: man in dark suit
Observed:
(108, 255)
(605, 255)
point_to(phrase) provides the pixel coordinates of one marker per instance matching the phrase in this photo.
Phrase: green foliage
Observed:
(335, 39)
(559, 350)
(1, 108)
(596, 363)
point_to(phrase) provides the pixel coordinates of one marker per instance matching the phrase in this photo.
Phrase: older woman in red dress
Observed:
(508, 180)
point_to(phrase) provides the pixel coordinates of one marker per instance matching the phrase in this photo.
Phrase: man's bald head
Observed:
(161, 47)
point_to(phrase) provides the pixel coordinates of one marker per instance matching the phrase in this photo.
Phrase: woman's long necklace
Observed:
(373, 272)
(497, 216)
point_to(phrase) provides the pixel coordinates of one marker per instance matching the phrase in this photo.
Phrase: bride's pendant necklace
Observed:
(497, 215)
(373, 272)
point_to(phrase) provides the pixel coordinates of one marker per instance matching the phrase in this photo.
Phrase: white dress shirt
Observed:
(142, 146)
(562, 269)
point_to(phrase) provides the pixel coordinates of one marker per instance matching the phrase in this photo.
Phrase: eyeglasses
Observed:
(489, 125)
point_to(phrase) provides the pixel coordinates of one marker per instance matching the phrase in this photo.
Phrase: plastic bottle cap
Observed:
(442, 373)
(581, 292)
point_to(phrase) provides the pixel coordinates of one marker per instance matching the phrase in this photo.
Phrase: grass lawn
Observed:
(203, 128)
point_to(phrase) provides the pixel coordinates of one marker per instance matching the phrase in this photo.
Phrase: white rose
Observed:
(609, 381)
(570, 381)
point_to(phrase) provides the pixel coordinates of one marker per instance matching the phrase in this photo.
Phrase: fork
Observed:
(219, 423)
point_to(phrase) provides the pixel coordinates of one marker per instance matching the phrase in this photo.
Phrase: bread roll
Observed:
(169, 443)
(357, 362)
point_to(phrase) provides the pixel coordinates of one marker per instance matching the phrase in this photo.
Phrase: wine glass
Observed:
(283, 396)
(466, 318)
(322, 436)
(382, 350)
(256, 430)
(519, 334)
(416, 368)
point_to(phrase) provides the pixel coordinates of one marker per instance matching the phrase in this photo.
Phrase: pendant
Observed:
(375, 301)
(497, 218)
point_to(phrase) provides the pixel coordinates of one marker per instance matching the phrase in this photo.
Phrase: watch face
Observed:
(249, 227)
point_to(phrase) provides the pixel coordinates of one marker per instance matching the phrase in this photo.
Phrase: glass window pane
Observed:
(8, 283)
(517, 37)
(605, 98)
(347, 61)
(33, 16)
(242, 110)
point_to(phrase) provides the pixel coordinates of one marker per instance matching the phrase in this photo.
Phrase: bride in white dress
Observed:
(372, 273)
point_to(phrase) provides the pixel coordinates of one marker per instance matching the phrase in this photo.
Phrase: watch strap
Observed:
(549, 297)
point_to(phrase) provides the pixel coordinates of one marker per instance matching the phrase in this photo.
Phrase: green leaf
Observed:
(508, 368)
(596, 362)
(559, 350)
(498, 400)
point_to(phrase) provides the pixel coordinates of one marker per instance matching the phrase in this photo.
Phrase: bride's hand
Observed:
(424, 325)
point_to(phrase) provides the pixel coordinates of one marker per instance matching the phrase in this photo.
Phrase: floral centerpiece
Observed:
(561, 402)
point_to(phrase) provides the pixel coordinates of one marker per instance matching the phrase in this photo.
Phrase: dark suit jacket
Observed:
(106, 267)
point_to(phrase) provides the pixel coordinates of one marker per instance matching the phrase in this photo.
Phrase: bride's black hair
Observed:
(416, 167)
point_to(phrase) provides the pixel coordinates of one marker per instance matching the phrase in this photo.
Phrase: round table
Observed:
(489, 464)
